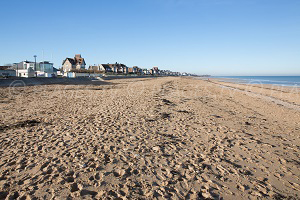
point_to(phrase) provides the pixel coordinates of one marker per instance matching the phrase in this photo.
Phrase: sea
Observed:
(273, 80)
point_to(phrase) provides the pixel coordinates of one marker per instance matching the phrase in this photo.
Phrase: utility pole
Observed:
(34, 62)
(35, 65)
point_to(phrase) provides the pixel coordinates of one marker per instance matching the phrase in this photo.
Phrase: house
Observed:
(102, 67)
(25, 69)
(115, 68)
(135, 70)
(146, 71)
(70, 64)
(23, 65)
(107, 68)
(96, 68)
(27, 73)
(119, 68)
(155, 70)
(130, 70)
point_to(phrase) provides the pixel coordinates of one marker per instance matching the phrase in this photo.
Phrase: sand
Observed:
(156, 138)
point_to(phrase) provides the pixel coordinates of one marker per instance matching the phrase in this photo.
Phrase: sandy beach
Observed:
(150, 138)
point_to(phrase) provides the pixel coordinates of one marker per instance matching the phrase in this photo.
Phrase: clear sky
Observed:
(217, 37)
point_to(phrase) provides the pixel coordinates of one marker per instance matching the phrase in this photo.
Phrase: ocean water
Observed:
(273, 80)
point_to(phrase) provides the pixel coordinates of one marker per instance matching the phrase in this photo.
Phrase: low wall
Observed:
(9, 72)
(20, 82)
(111, 77)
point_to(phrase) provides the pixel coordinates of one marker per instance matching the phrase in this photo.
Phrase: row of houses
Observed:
(119, 68)
(76, 65)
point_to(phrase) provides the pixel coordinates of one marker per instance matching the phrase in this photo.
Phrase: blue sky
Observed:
(217, 37)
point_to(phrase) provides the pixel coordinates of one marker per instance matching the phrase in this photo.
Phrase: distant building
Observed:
(101, 67)
(27, 73)
(155, 70)
(4, 67)
(45, 66)
(73, 63)
(4, 72)
(32, 69)
(115, 68)
(135, 70)
(119, 68)
(146, 71)
(23, 65)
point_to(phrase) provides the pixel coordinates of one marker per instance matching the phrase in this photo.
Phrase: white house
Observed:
(26, 72)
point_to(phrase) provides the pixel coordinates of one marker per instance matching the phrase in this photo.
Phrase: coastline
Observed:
(289, 94)
(259, 80)
(164, 138)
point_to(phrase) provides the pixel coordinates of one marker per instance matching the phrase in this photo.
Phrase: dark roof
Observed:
(71, 60)
(76, 60)
(106, 66)
(55, 70)
(4, 67)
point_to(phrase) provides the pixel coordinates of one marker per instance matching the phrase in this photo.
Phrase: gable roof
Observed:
(76, 60)
(107, 66)
(71, 60)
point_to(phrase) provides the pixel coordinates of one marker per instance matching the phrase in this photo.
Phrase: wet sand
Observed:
(162, 138)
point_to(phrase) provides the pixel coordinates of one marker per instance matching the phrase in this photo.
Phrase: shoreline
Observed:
(283, 95)
(252, 82)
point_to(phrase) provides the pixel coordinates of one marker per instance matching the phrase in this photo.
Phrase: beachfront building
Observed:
(130, 70)
(27, 73)
(44, 66)
(119, 68)
(155, 70)
(102, 67)
(96, 68)
(24, 65)
(70, 64)
(31, 69)
(24, 69)
(145, 71)
(6, 72)
(107, 68)
(135, 70)
(44, 69)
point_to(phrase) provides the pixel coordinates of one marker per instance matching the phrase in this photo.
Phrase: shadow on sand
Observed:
(21, 82)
